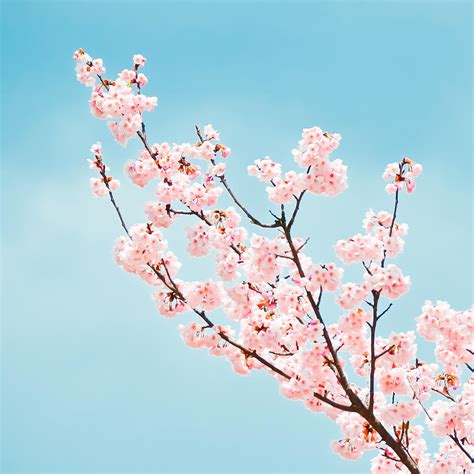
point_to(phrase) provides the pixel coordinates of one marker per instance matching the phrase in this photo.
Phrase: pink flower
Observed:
(359, 248)
(402, 411)
(285, 188)
(265, 170)
(401, 173)
(139, 60)
(198, 240)
(158, 214)
(142, 80)
(207, 295)
(352, 295)
(393, 380)
(389, 281)
(210, 133)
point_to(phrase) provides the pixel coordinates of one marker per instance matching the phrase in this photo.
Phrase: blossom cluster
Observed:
(105, 184)
(451, 331)
(116, 99)
(402, 175)
(322, 175)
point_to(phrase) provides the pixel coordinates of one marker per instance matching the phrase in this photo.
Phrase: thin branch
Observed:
(224, 182)
(385, 351)
(286, 354)
(183, 213)
(252, 218)
(384, 311)
(373, 328)
(449, 397)
(284, 256)
(112, 200)
(461, 447)
(295, 211)
(302, 245)
(367, 269)
(394, 216)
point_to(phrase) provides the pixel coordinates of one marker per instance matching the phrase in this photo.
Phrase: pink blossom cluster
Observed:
(265, 170)
(285, 188)
(322, 175)
(452, 332)
(159, 214)
(87, 68)
(400, 412)
(402, 175)
(315, 147)
(101, 186)
(204, 295)
(352, 331)
(449, 459)
(380, 226)
(219, 230)
(196, 336)
(386, 461)
(359, 248)
(326, 277)
(145, 246)
(351, 294)
(446, 418)
(115, 99)
(389, 281)
(383, 238)
(142, 170)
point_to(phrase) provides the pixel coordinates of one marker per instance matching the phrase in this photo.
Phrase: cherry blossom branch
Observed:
(394, 216)
(446, 395)
(224, 182)
(111, 196)
(378, 356)
(373, 358)
(202, 217)
(252, 218)
(250, 353)
(367, 268)
(141, 133)
(309, 152)
(359, 407)
(376, 297)
(341, 375)
(297, 207)
(384, 311)
(455, 438)
(153, 155)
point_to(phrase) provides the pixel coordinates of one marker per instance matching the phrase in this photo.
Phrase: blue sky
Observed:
(93, 379)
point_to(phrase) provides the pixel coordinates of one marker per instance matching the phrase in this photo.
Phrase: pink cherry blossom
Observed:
(139, 60)
(359, 248)
(389, 281)
(402, 173)
(206, 295)
(284, 188)
(265, 170)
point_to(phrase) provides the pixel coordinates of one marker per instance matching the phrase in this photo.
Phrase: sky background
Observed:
(93, 379)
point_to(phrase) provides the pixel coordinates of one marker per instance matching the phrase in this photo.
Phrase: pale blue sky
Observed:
(93, 379)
